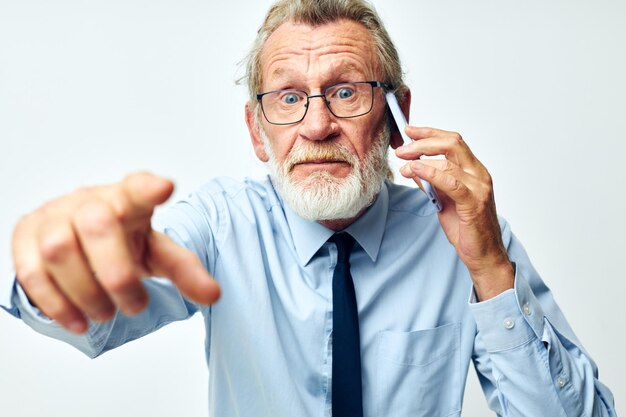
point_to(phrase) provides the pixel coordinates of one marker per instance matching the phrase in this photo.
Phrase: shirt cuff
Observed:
(14, 300)
(6, 297)
(24, 305)
(510, 319)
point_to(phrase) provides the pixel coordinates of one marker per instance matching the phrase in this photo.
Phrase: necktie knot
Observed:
(344, 243)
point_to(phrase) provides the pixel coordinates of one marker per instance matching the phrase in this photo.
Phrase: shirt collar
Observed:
(368, 229)
(309, 236)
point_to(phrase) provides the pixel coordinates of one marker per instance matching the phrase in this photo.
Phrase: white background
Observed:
(92, 90)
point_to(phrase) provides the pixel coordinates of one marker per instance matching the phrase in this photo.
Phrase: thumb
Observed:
(144, 190)
(407, 172)
(135, 198)
(182, 267)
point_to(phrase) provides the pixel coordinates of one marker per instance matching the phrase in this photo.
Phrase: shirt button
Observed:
(561, 382)
(509, 323)
(526, 309)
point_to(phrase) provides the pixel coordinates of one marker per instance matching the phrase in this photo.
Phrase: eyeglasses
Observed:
(345, 100)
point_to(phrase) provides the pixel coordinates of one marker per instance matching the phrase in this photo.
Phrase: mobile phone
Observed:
(401, 122)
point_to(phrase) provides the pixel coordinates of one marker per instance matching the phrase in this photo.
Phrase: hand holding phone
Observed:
(401, 122)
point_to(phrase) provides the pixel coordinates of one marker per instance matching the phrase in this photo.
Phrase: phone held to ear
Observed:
(401, 122)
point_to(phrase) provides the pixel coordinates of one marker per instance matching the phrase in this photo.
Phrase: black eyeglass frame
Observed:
(373, 84)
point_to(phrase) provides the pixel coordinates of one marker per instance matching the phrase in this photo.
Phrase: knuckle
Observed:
(55, 245)
(57, 310)
(121, 200)
(489, 180)
(119, 281)
(28, 276)
(429, 131)
(94, 218)
(455, 140)
(89, 297)
(61, 205)
(453, 183)
(447, 165)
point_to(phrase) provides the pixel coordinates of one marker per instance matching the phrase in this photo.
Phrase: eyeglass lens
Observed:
(344, 100)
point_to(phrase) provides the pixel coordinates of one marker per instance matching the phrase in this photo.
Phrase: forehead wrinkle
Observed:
(342, 64)
(310, 48)
(283, 71)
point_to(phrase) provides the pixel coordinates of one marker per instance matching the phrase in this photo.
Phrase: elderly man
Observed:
(342, 293)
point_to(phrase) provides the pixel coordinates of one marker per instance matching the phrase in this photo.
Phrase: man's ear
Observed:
(396, 140)
(254, 130)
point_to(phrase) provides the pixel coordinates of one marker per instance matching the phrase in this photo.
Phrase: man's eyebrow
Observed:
(280, 72)
(346, 69)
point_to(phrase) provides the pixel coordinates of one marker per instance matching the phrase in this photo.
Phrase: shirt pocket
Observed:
(419, 372)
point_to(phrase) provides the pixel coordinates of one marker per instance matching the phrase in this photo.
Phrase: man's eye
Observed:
(290, 98)
(344, 93)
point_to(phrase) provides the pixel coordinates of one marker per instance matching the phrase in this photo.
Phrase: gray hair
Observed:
(320, 12)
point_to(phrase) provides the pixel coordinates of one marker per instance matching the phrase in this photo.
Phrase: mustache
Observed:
(319, 151)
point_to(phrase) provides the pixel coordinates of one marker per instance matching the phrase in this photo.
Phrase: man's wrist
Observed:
(493, 280)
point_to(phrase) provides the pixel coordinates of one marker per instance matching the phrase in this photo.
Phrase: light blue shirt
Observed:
(269, 338)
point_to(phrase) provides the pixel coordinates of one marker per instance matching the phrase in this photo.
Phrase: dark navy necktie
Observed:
(347, 390)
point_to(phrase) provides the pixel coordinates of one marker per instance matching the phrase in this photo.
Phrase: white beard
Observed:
(321, 196)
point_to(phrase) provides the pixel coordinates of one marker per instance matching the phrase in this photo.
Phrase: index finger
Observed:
(429, 141)
(182, 267)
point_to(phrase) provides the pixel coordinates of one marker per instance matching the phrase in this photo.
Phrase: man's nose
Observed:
(319, 123)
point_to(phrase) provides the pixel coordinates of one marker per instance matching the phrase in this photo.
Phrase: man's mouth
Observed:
(319, 157)
(318, 162)
(323, 161)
